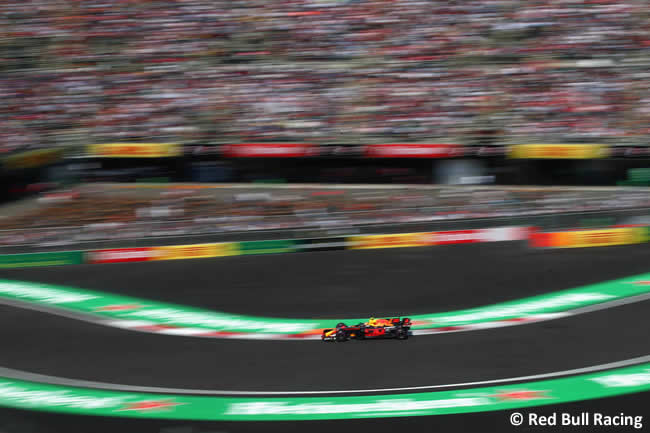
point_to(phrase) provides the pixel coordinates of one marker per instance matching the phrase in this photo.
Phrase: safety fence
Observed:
(223, 249)
(557, 239)
(137, 235)
(128, 215)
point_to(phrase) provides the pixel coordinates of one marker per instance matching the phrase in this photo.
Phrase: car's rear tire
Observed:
(402, 334)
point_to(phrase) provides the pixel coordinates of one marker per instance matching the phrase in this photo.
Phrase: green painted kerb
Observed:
(37, 396)
(116, 307)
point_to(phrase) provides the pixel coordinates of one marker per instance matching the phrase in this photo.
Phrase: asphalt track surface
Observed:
(355, 283)
(335, 284)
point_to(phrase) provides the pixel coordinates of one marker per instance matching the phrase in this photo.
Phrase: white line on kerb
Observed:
(24, 375)
(610, 304)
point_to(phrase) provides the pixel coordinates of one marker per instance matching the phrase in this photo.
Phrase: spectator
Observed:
(320, 70)
(101, 212)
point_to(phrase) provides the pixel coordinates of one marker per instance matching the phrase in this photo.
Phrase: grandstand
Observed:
(97, 212)
(344, 71)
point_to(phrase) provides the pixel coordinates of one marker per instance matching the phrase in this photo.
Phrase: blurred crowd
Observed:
(344, 71)
(90, 213)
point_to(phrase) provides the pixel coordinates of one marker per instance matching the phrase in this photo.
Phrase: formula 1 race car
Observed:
(375, 328)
